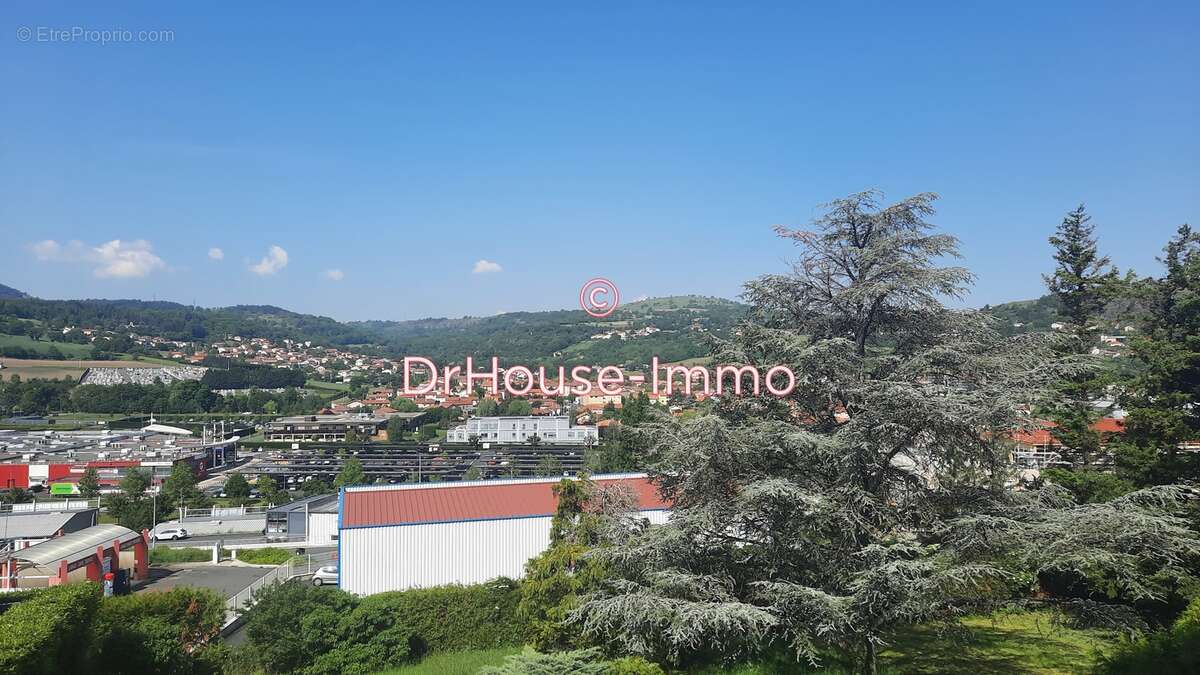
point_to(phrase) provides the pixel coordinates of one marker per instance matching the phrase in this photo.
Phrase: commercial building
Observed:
(22, 528)
(87, 554)
(312, 520)
(55, 460)
(325, 428)
(393, 537)
(553, 430)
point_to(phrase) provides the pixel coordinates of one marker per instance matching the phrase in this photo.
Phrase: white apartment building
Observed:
(556, 430)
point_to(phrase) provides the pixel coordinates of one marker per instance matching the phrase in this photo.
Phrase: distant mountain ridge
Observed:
(10, 293)
(672, 328)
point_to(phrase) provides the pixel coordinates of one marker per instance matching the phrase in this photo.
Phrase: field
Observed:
(326, 386)
(47, 369)
(69, 349)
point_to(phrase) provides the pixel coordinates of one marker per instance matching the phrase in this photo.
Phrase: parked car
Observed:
(325, 575)
(171, 534)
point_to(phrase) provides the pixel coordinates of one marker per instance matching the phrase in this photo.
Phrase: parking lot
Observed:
(226, 579)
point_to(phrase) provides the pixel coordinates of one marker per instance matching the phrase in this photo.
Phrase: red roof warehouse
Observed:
(392, 537)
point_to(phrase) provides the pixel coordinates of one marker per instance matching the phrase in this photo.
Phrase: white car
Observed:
(171, 534)
(325, 575)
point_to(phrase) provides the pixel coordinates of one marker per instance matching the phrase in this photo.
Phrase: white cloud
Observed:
(115, 259)
(216, 253)
(486, 267)
(275, 260)
(334, 275)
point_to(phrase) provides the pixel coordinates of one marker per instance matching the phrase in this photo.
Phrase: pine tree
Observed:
(1081, 272)
(873, 496)
(1163, 399)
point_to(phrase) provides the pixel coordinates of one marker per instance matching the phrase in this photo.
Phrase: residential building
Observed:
(325, 428)
(553, 430)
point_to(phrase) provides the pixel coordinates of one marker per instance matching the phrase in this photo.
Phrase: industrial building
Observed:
(394, 537)
(22, 527)
(554, 430)
(87, 554)
(46, 459)
(325, 428)
(312, 520)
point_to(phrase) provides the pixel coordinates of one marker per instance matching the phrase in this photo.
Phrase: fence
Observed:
(48, 505)
(186, 513)
(301, 566)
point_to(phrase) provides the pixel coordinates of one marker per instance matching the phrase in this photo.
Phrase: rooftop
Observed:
(410, 504)
(76, 545)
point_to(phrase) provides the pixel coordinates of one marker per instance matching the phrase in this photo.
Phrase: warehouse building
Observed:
(22, 529)
(312, 520)
(87, 554)
(394, 537)
(55, 460)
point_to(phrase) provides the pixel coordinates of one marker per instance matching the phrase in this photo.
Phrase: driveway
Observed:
(226, 579)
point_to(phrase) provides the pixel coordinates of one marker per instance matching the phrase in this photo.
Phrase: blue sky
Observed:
(651, 143)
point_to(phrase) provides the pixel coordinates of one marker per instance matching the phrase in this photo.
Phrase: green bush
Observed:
(294, 623)
(265, 556)
(448, 618)
(530, 662)
(1170, 652)
(166, 555)
(48, 633)
(296, 627)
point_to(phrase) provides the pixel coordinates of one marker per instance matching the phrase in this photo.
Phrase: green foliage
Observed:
(1171, 652)
(487, 408)
(44, 634)
(315, 486)
(180, 488)
(89, 483)
(296, 627)
(530, 662)
(167, 555)
(1089, 486)
(237, 487)
(1082, 273)
(132, 507)
(1163, 398)
(264, 556)
(351, 474)
(156, 632)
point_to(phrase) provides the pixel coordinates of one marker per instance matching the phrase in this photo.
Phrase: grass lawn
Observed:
(329, 386)
(1003, 644)
(456, 663)
(1026, 642)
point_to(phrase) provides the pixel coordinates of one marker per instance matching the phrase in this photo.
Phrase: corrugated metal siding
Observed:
(378, 559)
(474, 501)
(397, 557)
(322, 529)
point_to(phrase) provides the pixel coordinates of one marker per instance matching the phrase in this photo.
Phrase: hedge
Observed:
(45, 633)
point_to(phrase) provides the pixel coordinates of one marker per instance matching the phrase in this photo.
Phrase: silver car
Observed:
(325, 575)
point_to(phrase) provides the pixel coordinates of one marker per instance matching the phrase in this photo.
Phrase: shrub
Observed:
(166, 555)
(48, 633)
(294, 623)
(1170, 652)
(530, 662)
(445, 618)
(265, 556)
